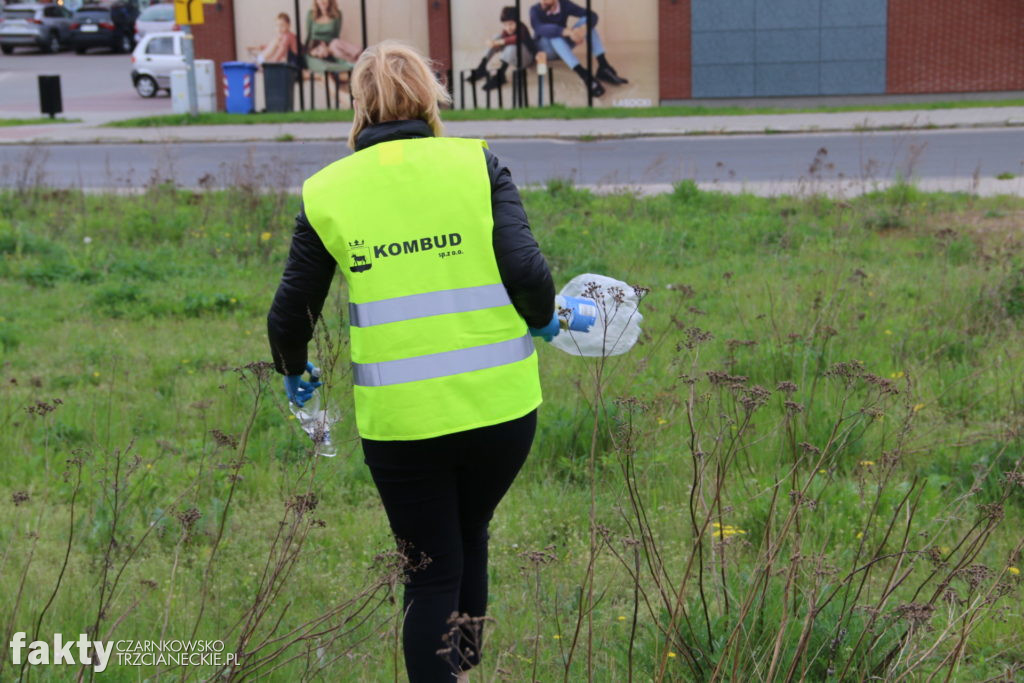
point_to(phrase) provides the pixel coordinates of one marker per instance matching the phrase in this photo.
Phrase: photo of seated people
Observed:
(283, 48)
(553, 34)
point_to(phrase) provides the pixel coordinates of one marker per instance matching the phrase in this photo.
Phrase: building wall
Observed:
(674, 50)
(955, 45)
(440, 34)
(754, 48)
(215, 39)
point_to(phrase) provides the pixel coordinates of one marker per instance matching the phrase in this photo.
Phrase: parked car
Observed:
(154, 58)
(47, 27)
(100, 26)
(155, 19)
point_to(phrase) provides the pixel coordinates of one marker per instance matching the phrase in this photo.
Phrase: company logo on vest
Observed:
(360, 255)
(417, 245)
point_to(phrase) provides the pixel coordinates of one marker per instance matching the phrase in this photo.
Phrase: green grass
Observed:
(551, 112)
(35, 121)
(133, 312)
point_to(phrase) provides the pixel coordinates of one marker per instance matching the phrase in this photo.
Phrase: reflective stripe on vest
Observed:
(442, 364)
(428, 304)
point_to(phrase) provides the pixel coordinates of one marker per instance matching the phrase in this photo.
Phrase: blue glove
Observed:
(549, 331)
(299, 390)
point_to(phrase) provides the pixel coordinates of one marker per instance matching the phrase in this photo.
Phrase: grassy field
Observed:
(809, 468)
(550, 112)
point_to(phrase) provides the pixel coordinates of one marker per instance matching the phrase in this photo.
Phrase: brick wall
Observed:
(955, 45)
(674, 50)
(215, 39)
(439, 26)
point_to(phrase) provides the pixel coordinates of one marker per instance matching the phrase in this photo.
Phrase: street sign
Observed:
(188, 12)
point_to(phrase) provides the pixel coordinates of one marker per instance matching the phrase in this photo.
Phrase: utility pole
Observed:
(186, 13)
(190, 69)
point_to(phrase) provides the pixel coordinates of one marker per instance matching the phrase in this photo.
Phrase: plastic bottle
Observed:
(315, 422)
(582, 313)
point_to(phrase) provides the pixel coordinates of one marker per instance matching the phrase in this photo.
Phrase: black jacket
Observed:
(310, 268)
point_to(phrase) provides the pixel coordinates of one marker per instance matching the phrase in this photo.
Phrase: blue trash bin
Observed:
(239, 87)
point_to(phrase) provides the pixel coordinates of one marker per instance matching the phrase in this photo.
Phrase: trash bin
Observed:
(238, 87)
(279, 86)
(49, 95)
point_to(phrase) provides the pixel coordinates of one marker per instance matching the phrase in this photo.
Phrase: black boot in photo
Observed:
(607, 73)
(595, 88)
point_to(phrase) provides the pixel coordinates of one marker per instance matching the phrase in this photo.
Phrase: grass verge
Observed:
(809, 467)
(35, 121)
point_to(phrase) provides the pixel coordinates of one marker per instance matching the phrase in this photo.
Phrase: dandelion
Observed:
(867, 463)
(264, 236)
(896, 375)
(726, 531)
(1013, 570)
(86, 240)
(624, 618)
(671, 654)
(860, 534)
(96, 374)
(918, 407)
(557, 637)
(662, 421)
(185, 361)
(149, 465)
(822, 471)
(888, 331)
(233, 300)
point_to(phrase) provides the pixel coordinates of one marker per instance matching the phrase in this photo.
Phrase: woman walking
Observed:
(444, 278)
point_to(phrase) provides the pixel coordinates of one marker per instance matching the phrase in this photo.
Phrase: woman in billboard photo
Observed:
(323, 33)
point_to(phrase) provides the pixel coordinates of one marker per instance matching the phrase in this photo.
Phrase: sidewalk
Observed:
(90, 130)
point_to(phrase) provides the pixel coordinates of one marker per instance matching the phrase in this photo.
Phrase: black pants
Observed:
(439, 495)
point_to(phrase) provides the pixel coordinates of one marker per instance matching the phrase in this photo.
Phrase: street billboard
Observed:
(627, 32)
(330, 34)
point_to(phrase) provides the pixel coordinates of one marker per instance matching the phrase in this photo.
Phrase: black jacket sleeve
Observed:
(299, 299)
(524, 272)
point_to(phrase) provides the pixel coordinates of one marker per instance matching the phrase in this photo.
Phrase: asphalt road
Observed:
(95, 82)
(961, 154)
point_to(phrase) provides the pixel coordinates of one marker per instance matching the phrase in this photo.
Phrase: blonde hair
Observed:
(393, 82)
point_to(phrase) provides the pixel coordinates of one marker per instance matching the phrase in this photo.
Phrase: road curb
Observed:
(298, 136)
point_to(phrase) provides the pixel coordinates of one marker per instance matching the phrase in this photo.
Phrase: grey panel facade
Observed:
(724, 80)
(760, 48)
(723, 47)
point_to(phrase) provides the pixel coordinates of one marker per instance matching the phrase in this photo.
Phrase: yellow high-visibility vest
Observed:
(436, 345)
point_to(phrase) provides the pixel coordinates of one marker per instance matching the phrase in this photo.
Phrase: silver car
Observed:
(154, 58)
(47, 27)
(155, 19)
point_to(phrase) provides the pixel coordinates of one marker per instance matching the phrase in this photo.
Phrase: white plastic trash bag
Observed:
(618, 321)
